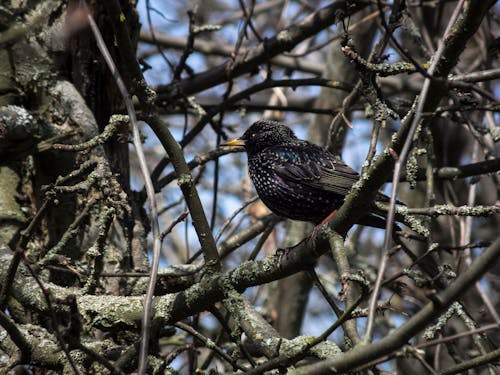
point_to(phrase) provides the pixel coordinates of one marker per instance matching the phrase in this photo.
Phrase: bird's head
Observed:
(263, 134)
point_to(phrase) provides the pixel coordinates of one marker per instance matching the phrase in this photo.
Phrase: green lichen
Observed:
(284, 36)
(466, 210)
(495, 134)
(295, 346)
(119, 119)
(416, 275)
(210, 344)
(192, 295)
(198, 109)
(248, 271)
(11, 212)
(207, 27)
(334, 84)
(411, 170)
(163, 307)
(415, 224)
(360, 278)
(325, 350)
(433, 330)
(110, 312)
(185, 179)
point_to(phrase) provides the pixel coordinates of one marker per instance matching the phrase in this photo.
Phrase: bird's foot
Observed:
(316, 231)
(281, 253)
(319, 227)
(328, 218)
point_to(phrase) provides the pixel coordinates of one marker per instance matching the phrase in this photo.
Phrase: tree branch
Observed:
(284, 41)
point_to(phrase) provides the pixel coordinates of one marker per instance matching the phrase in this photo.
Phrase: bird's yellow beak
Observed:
(235, 142)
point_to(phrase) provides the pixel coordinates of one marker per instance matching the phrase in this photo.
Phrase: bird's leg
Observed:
(327, 219)
(281, 254)
(317, 228)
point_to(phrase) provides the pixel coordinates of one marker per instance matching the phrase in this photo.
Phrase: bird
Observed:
(297, 179)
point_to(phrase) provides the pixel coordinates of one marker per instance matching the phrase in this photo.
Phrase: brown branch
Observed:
(462, 171)
(472, 363)
(438, 210)
(399, 337)
(210, 345)
(284, 41)
(146, 97)
(25, 236)
(17, 337)
(481, 76)
(363, 193)
(208, 47)
(245, 94)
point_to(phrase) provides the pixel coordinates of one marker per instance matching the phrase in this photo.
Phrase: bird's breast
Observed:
(289, 198)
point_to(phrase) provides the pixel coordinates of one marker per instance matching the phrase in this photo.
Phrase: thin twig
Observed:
(16, 336)
(19, 251)
(181, 217)
(397, 172)
(284, 360)
(427, 344)
(400, 336)
(233, 215)
(55, 321)
(476, 362)
(210, 344)
(148, 301)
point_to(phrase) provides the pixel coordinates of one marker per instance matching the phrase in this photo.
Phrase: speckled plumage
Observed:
(295, 178)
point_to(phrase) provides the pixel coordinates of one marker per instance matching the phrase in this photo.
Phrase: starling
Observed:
(295, 178)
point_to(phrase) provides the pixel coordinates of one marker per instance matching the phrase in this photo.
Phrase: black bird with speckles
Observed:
(295, 178)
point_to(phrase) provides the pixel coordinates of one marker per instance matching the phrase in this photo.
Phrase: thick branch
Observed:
(400, 337)
(361, 195)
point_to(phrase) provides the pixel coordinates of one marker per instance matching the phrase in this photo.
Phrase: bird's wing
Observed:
(315, 167)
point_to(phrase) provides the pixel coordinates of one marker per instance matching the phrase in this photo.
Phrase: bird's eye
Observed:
(253, 135)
